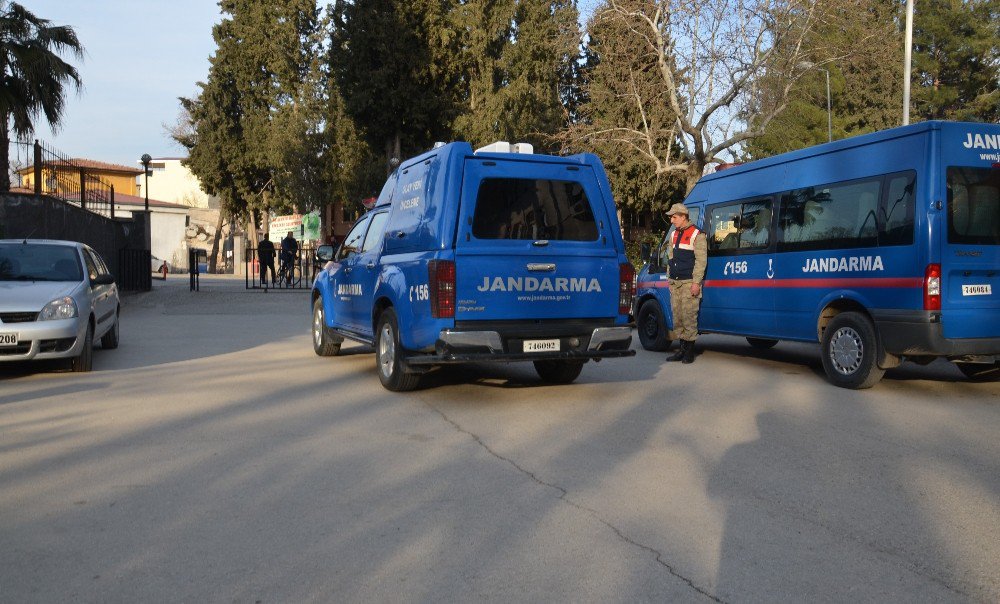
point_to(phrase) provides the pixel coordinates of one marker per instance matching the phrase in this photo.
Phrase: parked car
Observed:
(495, 255)
(56, 299)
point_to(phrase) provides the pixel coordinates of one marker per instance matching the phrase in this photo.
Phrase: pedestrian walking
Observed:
(265, 257)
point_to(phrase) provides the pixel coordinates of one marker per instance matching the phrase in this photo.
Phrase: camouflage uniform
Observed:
(683, 305)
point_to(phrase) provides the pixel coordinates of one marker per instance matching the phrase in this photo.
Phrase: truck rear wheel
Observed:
(652, 327)
(558, 372)
(389, 355)
(980, 372)
(850, 350)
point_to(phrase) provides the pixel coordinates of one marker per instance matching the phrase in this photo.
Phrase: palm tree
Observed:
(32, 74)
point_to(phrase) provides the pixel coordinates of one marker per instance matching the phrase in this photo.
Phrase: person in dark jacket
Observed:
(265, 257)
(688, 258)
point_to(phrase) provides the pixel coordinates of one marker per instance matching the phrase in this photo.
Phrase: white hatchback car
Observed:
(56, 298)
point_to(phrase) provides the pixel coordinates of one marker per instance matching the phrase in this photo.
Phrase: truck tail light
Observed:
(441, 275)
(932, 287)
(626, 288)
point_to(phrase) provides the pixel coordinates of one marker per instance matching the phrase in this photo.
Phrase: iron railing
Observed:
(38, 168)
(300, 276)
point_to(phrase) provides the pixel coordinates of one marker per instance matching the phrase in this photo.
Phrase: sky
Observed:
(140, 55)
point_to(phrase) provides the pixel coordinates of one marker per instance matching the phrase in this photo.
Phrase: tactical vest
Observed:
(682, 261)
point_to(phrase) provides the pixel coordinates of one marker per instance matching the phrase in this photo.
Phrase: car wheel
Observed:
(389, 355)
(981, 372)
(849, 350)
(109, 341)
(325, 342)
(761, 343)
(558, 372)
(652, 327)
(84, 361)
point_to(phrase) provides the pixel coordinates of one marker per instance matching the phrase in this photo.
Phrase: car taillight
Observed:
(932, 287)
(441, 274)
(626, 288)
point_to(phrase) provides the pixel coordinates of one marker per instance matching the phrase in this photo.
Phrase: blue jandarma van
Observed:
(883, 248)
(494, 255)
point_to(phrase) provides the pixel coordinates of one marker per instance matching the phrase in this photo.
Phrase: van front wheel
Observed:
(325, 342)
(389, 355)
(849, 351)
(558, 372)
(652, 327)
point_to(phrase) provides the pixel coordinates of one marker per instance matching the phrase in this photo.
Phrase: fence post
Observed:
(83, 189)
(38, 168)
(112, 201)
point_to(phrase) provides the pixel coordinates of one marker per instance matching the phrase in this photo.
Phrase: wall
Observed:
(44, 217)
(175, 184)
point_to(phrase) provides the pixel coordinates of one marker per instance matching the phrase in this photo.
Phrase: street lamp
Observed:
(145, 159)
(829, 113)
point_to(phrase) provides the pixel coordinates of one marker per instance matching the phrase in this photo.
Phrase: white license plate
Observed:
(8, 339)
(977, 290)
(541, 346)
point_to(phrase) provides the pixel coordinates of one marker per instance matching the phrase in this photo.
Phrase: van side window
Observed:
(524, 208)
(834, 216)
(740, 226)
(896, 224)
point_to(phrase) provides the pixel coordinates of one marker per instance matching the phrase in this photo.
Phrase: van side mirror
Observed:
(324, 254)
(645, 251)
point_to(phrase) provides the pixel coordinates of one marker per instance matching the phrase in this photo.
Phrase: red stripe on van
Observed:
(654, 284)
(901, 282)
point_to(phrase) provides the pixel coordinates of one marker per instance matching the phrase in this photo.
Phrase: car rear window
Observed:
(524, 208)
(39, 262)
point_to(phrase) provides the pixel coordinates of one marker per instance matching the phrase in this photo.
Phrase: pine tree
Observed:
(956, 63)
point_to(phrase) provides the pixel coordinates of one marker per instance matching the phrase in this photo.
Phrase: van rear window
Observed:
(974, 206)
(524, 208)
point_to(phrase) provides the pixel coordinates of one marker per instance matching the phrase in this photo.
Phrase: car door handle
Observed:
(539, 267)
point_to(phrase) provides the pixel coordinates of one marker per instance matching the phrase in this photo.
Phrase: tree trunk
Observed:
(213, 259)
(694, 172)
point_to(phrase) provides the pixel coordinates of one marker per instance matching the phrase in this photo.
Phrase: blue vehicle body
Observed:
(900, 229)
(532, 261)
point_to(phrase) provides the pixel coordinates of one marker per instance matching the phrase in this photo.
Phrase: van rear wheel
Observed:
(652, 327)
(980, 372)
(849, 350)
(389, 355)
(558, 372)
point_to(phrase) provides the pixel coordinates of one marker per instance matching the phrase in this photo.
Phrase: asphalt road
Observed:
(214, 458)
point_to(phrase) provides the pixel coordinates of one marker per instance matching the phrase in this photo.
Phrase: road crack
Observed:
(563, 495)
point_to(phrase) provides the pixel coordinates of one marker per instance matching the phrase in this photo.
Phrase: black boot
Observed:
(679, 355)
(688, 353)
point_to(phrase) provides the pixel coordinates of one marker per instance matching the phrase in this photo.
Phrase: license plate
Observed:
(977, 290)
(541, 346)
(8, 339)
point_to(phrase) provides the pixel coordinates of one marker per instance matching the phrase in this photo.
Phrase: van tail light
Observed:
(626, 288)
(932, 287)
(441, 275)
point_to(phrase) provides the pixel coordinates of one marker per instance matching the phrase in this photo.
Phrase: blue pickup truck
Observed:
(497, 254)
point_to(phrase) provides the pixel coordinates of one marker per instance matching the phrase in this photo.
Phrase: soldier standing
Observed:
(688, 257)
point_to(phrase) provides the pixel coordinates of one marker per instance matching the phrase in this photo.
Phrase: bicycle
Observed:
(289, 274)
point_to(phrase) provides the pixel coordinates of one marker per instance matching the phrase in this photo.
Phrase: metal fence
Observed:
(298, 275)
(40, 169)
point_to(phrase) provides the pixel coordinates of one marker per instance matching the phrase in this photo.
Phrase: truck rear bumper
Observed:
(456, 346)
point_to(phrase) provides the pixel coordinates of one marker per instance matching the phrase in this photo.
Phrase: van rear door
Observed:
(534, 242)
(970, 259)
